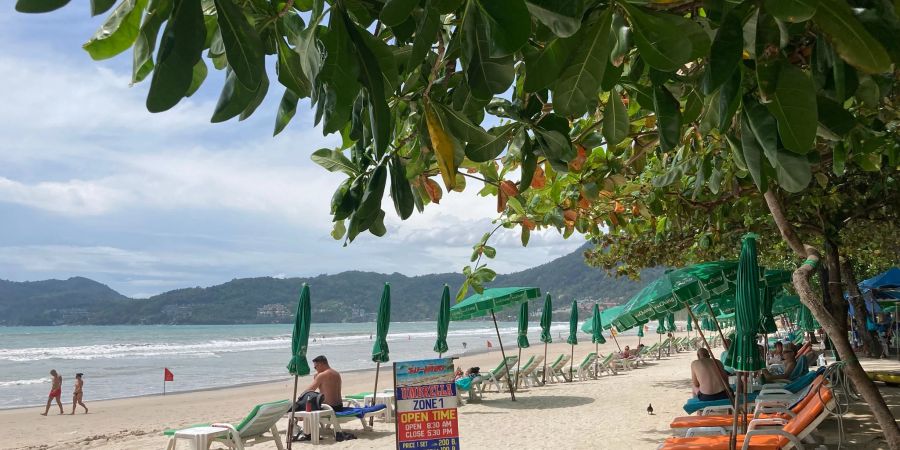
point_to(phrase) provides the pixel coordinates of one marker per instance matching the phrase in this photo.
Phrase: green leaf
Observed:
(563, 18)
(668, 118)
(286, 110)
(490, 145)
(834, 117)
(794, 106)
(489, 251)
(234, 99)
(370, 75)
(426, 33)
(157, 12)
(542, 67)
(763, 126)
(338, 231)
(725, 54)
(729, 99)
(377, 227)
(661, 38)
(333, 160)
(258, 96)
(101, 6)
(792, 171)
(555, 146)
(850, 38)
(179, 50)
(576, 89)
(118, 32)
(839, 159)
(290, 70)
(243, 47)
(485, 75)
(396, 12)
(370, 204)
(753, 155)
(615, 120)
(508, 23)
(401, 191)
(39, 6)
(526, 236)
(200, 72)
(529, 160)
(791, 10)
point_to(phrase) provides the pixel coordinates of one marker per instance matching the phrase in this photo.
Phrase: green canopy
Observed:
(661, 328)
(785, 304)
(300, 337)
(606, 318)
(767, 320)
(806, 321)
(597, 327)
(380, 352)
(573, 325)
(546, 318)
(523, 326)
(670, 320)
(743, 355)
(443, 322)
(492, 299)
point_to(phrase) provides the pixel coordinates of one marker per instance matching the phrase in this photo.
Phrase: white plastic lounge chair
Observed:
(585, 368)
(252, 430)
(499, 373)
(527, 374)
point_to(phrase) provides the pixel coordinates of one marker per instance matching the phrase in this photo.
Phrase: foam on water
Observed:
(44, 380)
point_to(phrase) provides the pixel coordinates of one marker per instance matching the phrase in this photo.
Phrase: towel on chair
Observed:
(359, 412)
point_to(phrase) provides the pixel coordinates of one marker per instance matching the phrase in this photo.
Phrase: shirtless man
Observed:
(55, 392)
(707, 376)
(328, 382)
(790, 361)
(78, 395)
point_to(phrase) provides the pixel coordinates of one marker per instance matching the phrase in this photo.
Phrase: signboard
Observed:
(425, 396)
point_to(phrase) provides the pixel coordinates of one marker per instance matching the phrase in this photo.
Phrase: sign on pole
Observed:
(425, 396)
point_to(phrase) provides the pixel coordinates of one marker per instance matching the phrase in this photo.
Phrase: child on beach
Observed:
(55, 392)
(78, 395)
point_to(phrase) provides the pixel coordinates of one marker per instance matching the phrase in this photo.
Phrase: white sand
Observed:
(606, 413)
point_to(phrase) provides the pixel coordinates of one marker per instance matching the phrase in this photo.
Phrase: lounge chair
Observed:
(791, 435)
(719, 406)
(354, 410)
(499, 373)
(607, 365)
(555, 369)
(527, 374)
(585, 368)
(250, 431)
(472, 385)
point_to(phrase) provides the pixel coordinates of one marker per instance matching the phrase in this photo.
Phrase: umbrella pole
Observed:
(512, 393)
(732, 437)
(290, 428)
(375, 391)
(518, 367)
(709, 349)
(544, 373)
(572, 365)
(617, 341)
(716, 321)
(597, 351)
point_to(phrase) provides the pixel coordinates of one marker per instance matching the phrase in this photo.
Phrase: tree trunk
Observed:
(864, 386)
(870, 342)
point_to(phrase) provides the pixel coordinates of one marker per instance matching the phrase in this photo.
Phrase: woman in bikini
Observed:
(78, 395)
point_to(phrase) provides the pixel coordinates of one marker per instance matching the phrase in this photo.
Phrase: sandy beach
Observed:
(609, 412)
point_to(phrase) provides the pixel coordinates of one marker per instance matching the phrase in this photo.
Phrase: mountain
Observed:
(351, 296)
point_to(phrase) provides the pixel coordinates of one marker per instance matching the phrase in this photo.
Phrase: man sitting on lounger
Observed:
(328, 382)
(707, 375)
(790, 361)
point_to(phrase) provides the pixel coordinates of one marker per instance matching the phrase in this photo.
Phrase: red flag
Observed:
(168, 375)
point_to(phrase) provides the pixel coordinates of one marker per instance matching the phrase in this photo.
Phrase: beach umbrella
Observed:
(743, 354)
(380, 351)
(546, 338)
(597, 334)
(640, 334)
(522, 338)
(443, 323)
(299, 343)
(606, 318)
(690, 327)
(487, 302)
(573, 336)
(670, 320)
(806, 321)
(767, 319)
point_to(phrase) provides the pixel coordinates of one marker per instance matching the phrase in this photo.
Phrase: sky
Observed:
(93, 185)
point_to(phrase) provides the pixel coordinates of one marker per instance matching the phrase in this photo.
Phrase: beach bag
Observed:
(313, 398)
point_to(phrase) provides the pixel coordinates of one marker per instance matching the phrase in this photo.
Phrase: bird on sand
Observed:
(650, 409)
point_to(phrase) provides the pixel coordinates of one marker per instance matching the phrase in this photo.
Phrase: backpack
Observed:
(313, 398)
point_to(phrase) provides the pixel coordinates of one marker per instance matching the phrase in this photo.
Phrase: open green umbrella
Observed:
(299, 343)
(380, 351)
(546, 338)
(487, 302)
(743, 354)
(443, 323)
(597, 334)
(522, 338)
(573, 336)
(606, 318)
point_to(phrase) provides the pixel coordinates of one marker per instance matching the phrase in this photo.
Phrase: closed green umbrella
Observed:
(485, 303)
(743, 354)
(522, 338)
(689, 327)
(640, 334)
(670, 320)
(443, 323)
(380, 351)
(546, 338)
(573, 336)
(597, 334)
(299, 343)
(660, 331)
(767, 320)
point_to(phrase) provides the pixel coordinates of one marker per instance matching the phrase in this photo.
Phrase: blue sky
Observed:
(93, 185)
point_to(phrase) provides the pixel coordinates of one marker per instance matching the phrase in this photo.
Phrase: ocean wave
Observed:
(25, 382)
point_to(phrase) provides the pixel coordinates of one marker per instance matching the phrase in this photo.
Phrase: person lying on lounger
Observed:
(707, 376)
(790, 361)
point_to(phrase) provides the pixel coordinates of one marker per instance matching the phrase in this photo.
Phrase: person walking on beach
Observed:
(328, 382)
(55, 393)
(78, 395)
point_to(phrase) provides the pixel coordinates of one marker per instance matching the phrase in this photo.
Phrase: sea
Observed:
(128, 360)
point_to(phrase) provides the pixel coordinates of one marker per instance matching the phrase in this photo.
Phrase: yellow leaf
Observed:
(442, 143)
